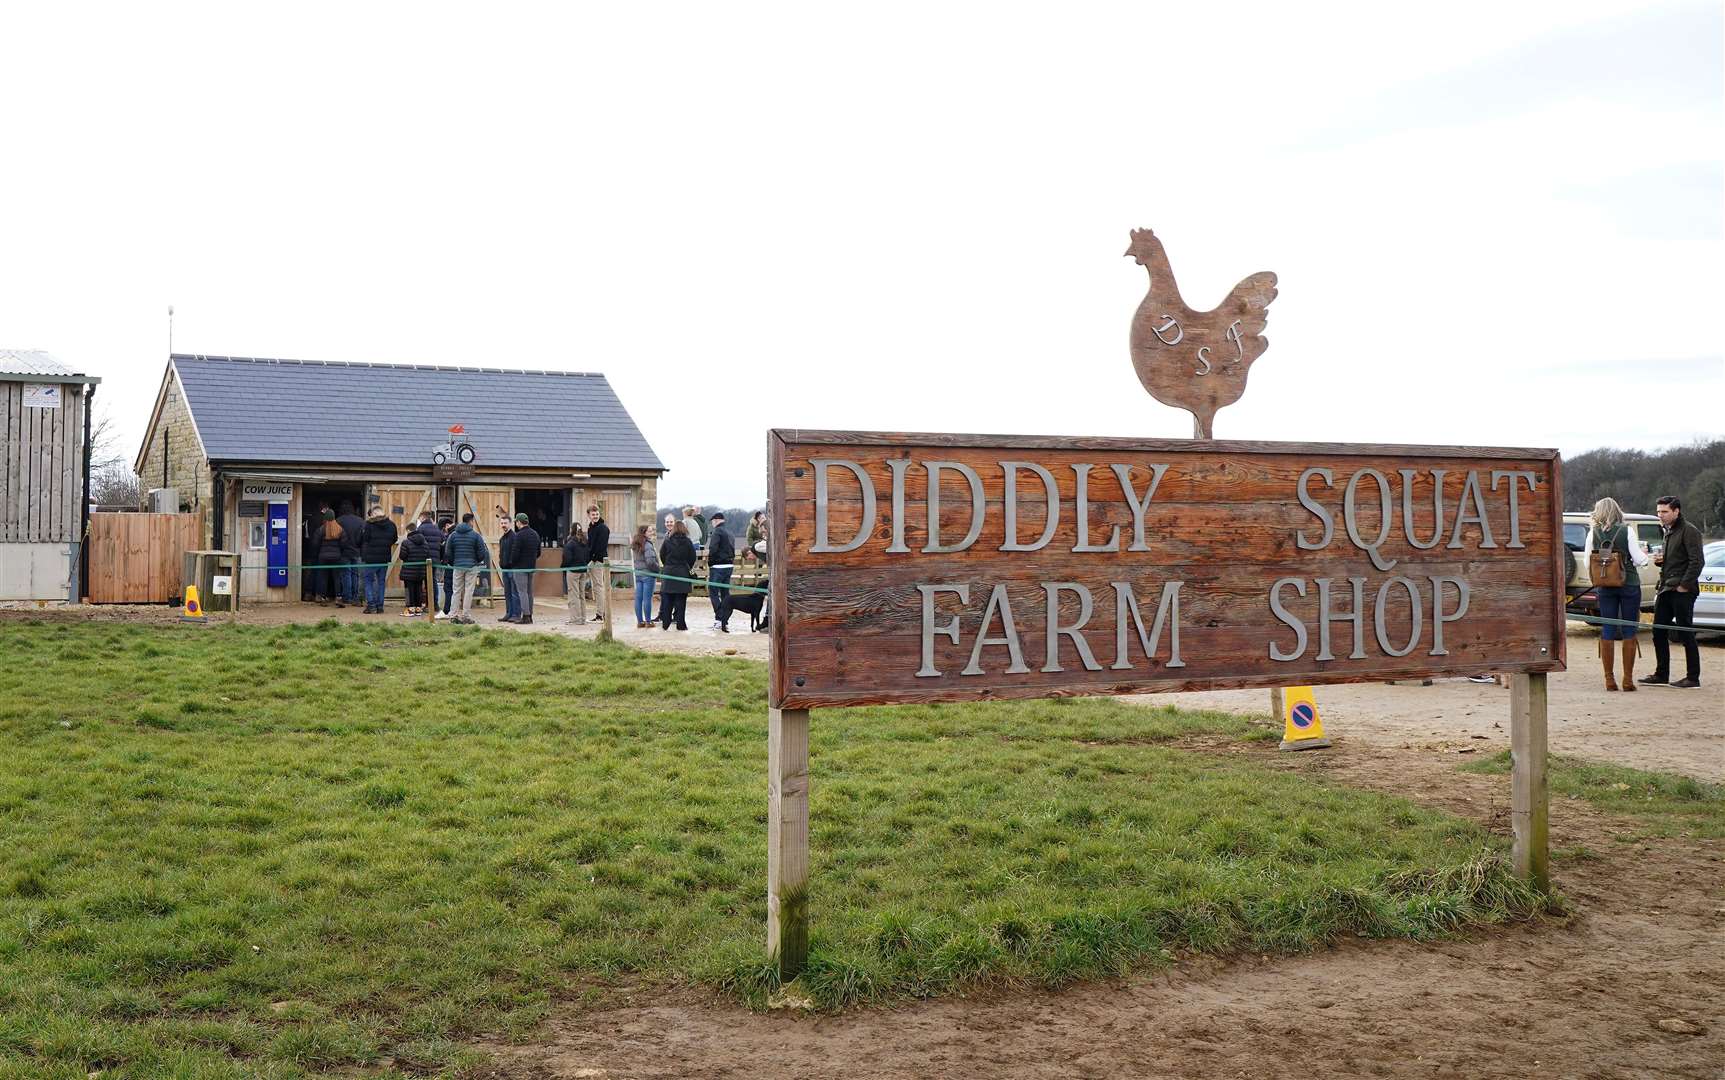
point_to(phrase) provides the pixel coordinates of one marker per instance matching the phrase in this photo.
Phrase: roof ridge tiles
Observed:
(213, 357)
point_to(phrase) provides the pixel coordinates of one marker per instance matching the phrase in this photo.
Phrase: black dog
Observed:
(750, 602)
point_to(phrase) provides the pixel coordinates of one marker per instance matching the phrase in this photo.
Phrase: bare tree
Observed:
(112, 481)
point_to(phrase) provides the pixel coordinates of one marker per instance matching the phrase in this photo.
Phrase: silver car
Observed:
(1710, 602)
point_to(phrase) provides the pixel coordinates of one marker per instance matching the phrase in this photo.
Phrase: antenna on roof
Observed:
(170, 329)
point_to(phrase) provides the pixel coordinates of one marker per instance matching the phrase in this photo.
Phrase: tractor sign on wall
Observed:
(457, 447)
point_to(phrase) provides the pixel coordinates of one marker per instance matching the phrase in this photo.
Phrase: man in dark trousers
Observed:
(598, 547)
(1679, 582)
(505, 561)
(521, 556)
(721, 558)
(352, 528)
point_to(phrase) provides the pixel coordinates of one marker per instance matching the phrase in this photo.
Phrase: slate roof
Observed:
(34, 362)
(307, 411)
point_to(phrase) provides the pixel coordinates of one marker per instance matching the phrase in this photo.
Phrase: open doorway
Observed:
(314, 499)
(547, 510)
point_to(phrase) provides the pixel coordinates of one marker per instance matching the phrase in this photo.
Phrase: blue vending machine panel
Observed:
(278, 550)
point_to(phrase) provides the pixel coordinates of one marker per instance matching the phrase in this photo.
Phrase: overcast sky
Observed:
(1494, 223)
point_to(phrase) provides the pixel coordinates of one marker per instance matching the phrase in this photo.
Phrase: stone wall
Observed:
(645, 514)
(188, 471)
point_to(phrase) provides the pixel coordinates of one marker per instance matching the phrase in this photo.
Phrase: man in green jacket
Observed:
(1679, 581)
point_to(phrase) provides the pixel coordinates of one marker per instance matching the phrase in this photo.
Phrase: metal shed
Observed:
(44, 474)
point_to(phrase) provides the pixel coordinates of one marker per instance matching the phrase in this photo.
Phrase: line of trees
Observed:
(1636, 479)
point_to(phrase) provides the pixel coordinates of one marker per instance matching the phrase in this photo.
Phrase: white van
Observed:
(1578, 545)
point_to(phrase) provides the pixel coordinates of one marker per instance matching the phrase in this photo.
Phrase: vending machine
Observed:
(278, 545)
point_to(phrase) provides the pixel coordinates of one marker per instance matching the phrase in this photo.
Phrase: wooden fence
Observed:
(136, 558)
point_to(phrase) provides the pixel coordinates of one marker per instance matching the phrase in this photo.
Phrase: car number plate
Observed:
(1710, 586)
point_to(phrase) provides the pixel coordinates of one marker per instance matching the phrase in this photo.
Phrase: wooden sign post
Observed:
(916, 568)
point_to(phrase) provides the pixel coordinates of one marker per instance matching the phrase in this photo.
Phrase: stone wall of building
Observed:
(187, 470)
(645, 514)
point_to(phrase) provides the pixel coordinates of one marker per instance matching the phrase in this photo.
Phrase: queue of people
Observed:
(443, 563)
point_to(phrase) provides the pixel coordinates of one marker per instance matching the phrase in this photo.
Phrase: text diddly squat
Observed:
(1445, 596)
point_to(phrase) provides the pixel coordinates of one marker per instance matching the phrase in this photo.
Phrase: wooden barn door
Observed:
(619, 509)
(402, 503)
(482, 503)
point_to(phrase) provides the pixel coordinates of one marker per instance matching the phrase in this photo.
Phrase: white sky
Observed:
(1494, 223)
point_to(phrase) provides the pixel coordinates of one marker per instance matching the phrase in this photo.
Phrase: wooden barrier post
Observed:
(788, 839)
(602, 595)
(430, 594)
(1529, 811)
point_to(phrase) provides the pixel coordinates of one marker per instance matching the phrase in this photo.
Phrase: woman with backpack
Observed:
(1615, 553)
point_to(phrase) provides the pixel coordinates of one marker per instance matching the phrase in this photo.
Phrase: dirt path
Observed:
(1578, 997)
(1653, 728)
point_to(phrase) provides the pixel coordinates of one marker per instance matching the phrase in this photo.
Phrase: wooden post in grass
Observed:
(430, 594)
(1528, 810)
(602, 594)
(788, 839)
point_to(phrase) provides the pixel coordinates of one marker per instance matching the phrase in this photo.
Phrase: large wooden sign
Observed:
(913, 568)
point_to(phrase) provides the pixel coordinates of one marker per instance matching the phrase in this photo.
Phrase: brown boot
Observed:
(1631, 649)
(1608, 656)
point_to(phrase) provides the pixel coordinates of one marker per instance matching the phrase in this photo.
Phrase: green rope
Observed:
(1599, 621)
(486, 568)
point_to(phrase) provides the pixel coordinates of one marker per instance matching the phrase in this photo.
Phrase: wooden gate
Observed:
(402, 504)
(135, 558)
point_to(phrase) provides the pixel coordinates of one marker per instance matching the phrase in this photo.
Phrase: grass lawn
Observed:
(300, 851)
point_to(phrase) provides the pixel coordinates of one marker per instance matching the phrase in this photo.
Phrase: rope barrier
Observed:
(1600, 621)
(505, 570)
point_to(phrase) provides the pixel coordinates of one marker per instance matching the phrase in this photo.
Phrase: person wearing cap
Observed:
(520, 558)
(721, 558)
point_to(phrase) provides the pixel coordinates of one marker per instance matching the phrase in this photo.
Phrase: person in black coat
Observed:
(376, 550)
(721, 559)
(677, 555)
(520, 559)
(418, 547)
(352, 525)
(599, 551)
(325, 546)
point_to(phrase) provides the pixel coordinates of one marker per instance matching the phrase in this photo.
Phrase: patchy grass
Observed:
(306, 851)
(1671, 804)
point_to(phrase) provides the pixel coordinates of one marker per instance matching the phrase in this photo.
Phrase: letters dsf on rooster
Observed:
(1143, 621)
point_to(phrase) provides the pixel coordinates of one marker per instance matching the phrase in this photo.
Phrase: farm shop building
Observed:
(258, 447)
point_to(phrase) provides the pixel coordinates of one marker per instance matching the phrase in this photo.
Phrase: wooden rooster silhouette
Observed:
(1195, 360)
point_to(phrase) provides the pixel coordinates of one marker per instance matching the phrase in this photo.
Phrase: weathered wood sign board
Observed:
(911, 568)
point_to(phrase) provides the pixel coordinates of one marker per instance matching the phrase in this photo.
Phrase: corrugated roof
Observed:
(33, 362)
(250, 409)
